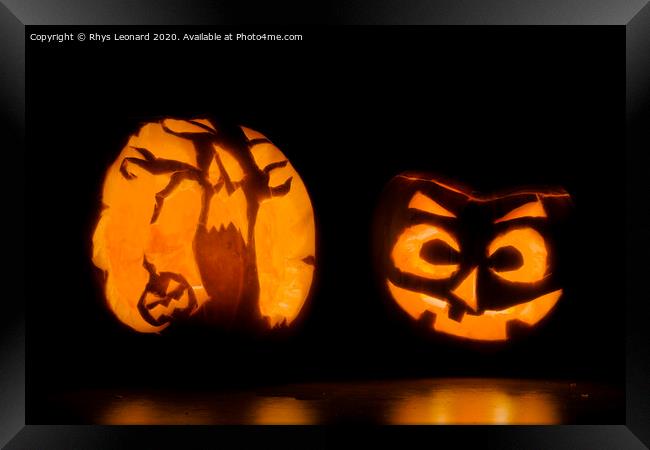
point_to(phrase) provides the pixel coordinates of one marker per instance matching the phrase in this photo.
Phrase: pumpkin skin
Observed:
(468, 265)
(204, 219)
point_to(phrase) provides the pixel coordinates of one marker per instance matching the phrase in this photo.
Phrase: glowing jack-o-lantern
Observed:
(470, 266)
(205, 219)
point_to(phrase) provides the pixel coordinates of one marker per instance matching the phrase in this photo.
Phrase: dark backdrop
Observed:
(350, 107)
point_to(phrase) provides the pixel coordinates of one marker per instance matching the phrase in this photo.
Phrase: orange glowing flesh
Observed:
(530, 209)
(531, 246)
(406, 252)
(284, 232)
(427, 204)
(490, 326)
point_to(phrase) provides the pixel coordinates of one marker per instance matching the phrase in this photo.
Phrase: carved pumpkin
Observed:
(471, 266)
(205, 219)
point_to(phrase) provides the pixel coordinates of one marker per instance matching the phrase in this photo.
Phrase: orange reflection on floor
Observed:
(283, 411)
(472, 403)
(401, 401)
(226, 409)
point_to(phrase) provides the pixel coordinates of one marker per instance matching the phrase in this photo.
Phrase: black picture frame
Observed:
(633, 16)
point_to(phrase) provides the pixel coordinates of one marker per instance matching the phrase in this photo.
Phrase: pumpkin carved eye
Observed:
(506, 258)
(439, 252)
(428, 251)
(519, 255)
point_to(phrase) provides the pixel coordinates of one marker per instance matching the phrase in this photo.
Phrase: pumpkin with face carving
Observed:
(204, 219)
(472, 266)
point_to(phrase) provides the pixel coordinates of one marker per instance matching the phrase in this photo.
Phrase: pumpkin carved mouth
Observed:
(491, 325)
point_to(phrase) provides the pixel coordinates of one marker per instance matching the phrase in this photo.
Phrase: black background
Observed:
(350, 107)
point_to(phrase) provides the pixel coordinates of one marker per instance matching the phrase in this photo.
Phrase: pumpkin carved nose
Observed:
(466, 290)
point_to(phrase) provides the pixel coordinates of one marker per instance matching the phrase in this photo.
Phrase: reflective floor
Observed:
(423, 401)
